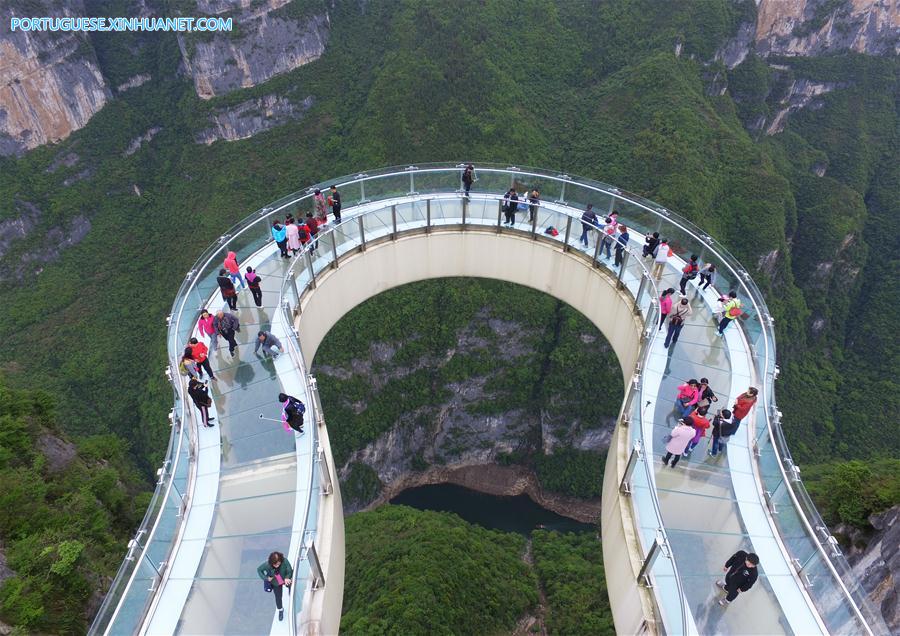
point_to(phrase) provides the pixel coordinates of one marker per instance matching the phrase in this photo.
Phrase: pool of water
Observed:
(510, 514)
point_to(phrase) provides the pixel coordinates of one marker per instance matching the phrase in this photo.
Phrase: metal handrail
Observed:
(264, 216)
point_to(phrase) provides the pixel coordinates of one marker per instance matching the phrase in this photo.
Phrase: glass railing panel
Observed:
(411, 215)
(640, 222)
(134, 604)
(387, 187)
(547, 218)
(378, 223)
(482, 210)
(491, 182)
(668, 596)
(446, 211)
(166, 529)
(427, 182)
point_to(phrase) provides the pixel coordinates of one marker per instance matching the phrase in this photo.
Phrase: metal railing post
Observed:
(636, 454)
(534, 225)
(643, 577)
(362, 192)
(612, 204)
(562, 194)
(312, 272)
(325, 474)
(640, 292)
(499, 215)
(394, 221)
(296, 289)
(568, 232)
(315, 567)
(465, 209)
(362, 234)
(412, 183)
(596, 262)
(428, 216)
(334, 256)
(619, 283)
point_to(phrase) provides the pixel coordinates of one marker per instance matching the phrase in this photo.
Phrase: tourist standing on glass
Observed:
(227, 325)
(732, 309)
(280, 235)
(677, 316)
(313, 226)
(253, 282)
(688, 395)
(588, 222)
(700, 423)
(188, 366)
(510, 203)
(743, 404)
(651, 242)
(742, 572)
(723, 427)
(234, 270)
(205, 327)
(707, 395)
(665, 306)
(293, 236)
(276, 574)
(707, 276)
(534, 200)
(660, 258)
(200, 354)
(609, 230)
(468, 177)
(621, 244)
(320, 205)
(678, 440)
(200, 395)
(229, 293)
(335, 201)
(689, 272)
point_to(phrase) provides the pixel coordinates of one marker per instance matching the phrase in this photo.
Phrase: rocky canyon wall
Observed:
(50, 83)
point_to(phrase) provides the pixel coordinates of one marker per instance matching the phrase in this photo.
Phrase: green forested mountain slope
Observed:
(589, 88)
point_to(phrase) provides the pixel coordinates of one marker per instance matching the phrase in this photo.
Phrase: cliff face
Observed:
(811, 27)
(268, 40)
(50, 84)
(252, 117)
(878, 565)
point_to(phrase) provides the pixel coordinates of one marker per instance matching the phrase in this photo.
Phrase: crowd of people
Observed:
(693, 401)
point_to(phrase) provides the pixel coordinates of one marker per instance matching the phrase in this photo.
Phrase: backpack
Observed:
(296, 406)
(552, 231)
(734, 312)
(690, 271)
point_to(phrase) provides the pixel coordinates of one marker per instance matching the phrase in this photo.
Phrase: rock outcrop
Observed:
(269, 40)
(50, 83)
(811, 27)
(800, 94)
(878, 565)
(814, 27)
(252, 117)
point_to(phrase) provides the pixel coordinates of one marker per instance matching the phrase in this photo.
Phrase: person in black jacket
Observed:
(742, 572)
(229, 293)
(200, 395)
(723, 428)
(510, 205)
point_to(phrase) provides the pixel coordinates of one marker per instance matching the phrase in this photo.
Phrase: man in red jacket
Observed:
(743, 404)
(200, 353)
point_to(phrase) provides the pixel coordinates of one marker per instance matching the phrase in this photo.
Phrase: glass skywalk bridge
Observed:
(228, 496)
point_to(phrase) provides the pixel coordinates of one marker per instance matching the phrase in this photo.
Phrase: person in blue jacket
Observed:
(279, 233)
(277, 573)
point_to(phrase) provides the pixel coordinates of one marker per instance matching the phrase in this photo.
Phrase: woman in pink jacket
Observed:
(665, 306)
(234, 270)
(293, 236)
(681, 436)
(688, 396)
(205, 327)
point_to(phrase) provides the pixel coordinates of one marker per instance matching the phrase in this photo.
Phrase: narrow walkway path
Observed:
(254, 510)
